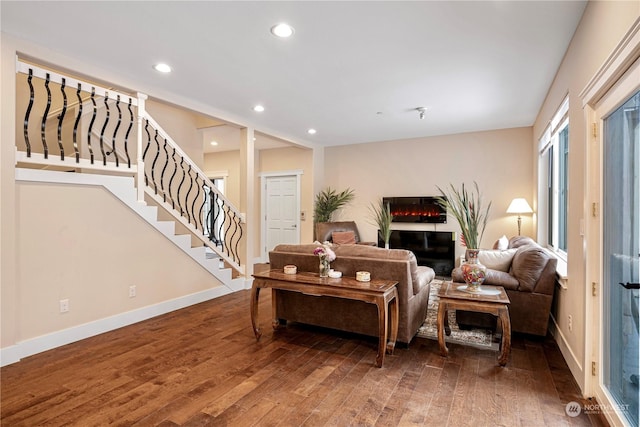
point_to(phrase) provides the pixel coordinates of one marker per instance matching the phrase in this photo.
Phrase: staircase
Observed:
(108, 139)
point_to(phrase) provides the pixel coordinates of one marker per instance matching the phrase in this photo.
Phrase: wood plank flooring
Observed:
(202, 366)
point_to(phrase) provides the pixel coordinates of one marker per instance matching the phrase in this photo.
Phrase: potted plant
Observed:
(328, 201)
(382, 218)
(467, 209)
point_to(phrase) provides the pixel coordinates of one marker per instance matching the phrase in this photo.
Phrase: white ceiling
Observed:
(355, 71)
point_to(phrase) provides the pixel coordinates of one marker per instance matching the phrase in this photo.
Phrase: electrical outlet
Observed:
(570, 323)
(64, 305)
(132, 291)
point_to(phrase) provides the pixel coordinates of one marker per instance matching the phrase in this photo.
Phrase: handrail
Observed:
(181, 185)
(165, 172)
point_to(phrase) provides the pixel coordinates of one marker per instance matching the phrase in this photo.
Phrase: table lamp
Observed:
(519, 206)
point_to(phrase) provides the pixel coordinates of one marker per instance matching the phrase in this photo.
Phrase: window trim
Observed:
(550, 165)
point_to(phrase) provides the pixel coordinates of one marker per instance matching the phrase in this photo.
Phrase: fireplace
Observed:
(424, 210)
(435, 249)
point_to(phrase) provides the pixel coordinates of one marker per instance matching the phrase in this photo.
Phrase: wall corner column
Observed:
(9, 290)
(247, 197)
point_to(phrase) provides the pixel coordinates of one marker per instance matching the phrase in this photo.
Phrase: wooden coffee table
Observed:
(495, 302)
(382, 293)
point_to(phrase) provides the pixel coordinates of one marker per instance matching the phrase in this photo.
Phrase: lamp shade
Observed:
(519, 206)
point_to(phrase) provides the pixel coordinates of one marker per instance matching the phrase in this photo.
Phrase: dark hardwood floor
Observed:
(202, 366)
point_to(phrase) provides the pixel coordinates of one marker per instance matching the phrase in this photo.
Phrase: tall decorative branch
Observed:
(466, 207)
(382, 218)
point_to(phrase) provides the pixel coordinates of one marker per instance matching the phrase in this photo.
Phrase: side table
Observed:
(382, 293)
(494, 301)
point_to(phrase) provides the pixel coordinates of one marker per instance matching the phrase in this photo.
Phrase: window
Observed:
(553, 185)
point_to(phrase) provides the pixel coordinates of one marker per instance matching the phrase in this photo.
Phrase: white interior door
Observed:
(282, 211)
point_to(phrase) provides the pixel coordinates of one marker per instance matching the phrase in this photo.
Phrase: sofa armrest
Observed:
(531, 266)
(424, 276)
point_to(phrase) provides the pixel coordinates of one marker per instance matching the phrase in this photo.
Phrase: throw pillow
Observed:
(502, 243)
(343, 237)
(497, 259)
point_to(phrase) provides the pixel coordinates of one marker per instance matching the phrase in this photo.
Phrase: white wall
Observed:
(89, 248)
(499, 161)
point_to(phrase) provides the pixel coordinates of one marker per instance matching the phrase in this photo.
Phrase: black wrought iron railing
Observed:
(175, 181)
(74, 124)
(78, 116)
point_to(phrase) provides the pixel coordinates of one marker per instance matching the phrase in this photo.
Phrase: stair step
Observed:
(184, 240)
(199, 252)
(168, 228)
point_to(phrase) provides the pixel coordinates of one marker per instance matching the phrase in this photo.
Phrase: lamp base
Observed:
(519, 224)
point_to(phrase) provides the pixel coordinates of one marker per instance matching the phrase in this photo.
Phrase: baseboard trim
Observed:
(570, 358)
(15, 353)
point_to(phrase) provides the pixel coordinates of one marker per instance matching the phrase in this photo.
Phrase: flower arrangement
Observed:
(324, 251)
(326, 255)
(467, 208)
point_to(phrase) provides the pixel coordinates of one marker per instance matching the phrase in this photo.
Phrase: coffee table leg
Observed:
(383, 329)
(442, 313)
(393, 307)
(255, 294)
(503, 315)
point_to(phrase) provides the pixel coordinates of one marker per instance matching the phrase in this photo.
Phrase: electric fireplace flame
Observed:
(416, 209)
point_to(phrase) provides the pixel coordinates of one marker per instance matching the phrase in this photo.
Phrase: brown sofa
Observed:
(529, 283)
(355, 316)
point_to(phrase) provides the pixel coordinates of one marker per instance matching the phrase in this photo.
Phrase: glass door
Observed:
(621, 252)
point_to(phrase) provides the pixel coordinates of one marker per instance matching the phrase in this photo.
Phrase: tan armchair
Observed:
(325, 230)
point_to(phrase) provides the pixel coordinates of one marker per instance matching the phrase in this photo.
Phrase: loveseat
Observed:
(528, 276)
(348, 315)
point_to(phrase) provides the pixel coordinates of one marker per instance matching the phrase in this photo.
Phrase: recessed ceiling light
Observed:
(163, 68)
(214, 143)
(258, 108)
(282, 30)
(311, 131)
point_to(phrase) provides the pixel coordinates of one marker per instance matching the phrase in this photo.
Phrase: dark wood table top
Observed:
(375, 285)
(450, 290)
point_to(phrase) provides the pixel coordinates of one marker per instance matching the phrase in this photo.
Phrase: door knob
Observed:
(630, 285)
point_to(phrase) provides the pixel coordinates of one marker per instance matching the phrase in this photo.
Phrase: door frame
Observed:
(264, 176)
(608, 89)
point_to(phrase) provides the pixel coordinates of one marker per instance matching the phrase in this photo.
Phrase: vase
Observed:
(473, 271)
(324, 267)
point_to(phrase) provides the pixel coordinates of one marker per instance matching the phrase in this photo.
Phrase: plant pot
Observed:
(473, 271)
